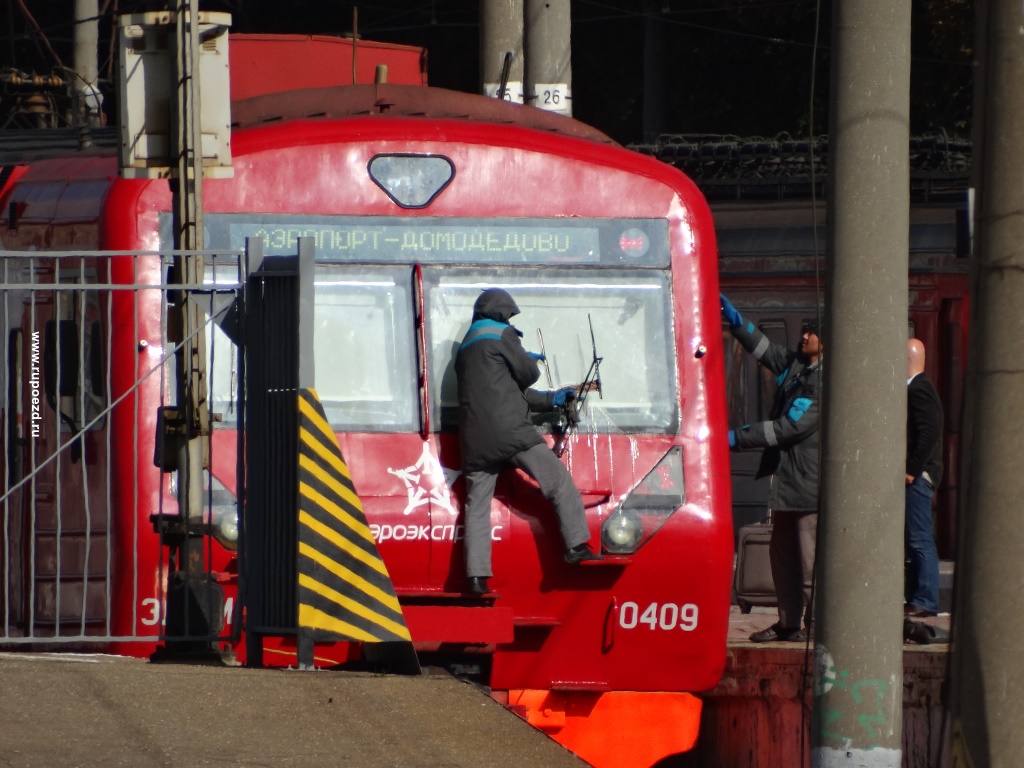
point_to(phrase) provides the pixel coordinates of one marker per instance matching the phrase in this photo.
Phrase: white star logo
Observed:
(427, 482)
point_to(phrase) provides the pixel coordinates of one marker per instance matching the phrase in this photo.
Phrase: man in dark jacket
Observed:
(495, 433)
(790, 443)
(924, 470)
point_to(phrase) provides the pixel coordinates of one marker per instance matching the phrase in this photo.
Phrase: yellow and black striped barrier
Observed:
(344, 591)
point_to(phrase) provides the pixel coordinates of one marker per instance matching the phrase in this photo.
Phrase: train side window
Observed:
(91, 400)
(73, 361)
(950, 362)
(775, 330)
(16, 407)
(60, 359)
(96, 373)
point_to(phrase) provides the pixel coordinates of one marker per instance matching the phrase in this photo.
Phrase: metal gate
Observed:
(92, 547)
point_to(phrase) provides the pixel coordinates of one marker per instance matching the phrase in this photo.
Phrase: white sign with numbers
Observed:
(664, 616)
(554, 97)
(513, 91)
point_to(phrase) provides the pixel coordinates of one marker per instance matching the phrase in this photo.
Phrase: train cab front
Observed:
(596, 652)
(607, 655)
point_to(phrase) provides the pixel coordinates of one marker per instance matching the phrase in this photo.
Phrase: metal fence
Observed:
(88, 548)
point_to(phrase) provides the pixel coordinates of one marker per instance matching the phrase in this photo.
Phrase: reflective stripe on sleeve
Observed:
(769, 434)
(761, 348)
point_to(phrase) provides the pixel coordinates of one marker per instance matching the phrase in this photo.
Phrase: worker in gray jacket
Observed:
(494, 375)
(790, 456)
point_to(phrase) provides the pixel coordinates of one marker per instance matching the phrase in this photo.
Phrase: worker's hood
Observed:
(495, 304)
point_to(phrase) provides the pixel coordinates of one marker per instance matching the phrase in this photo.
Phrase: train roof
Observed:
(725, 168)
(391, 100)
(22, 147)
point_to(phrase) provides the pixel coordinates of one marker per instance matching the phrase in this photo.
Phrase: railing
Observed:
(85, 512)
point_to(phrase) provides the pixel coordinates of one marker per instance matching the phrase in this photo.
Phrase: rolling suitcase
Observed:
(753, 583)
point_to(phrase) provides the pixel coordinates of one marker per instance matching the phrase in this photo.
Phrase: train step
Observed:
(455, 617)
(479, 624)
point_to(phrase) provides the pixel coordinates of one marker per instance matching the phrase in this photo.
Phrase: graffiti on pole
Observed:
(854, 712)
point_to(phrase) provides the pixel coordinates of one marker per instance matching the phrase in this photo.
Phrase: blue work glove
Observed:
(732, 438)
(729, 312)
(562, 396)
(536, 356)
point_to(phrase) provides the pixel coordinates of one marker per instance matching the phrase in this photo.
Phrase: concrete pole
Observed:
(88, 101)
(501, 32)
(986, 706)
(979, 97)
(548, 55)
(858, 672)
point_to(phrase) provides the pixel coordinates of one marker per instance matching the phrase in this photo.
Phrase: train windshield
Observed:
(631, 317)
(363, 348)
(586, 288)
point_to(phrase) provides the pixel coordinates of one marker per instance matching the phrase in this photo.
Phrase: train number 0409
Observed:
(658, 616)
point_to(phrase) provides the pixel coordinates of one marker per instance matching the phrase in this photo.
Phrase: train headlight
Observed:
(225, 527)
(222, 513)
(647, 507)
(621, 532)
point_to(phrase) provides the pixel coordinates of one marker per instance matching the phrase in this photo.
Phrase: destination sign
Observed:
(387, 239)
(358, 241)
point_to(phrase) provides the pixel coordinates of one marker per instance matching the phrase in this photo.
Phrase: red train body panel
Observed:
(651, 622)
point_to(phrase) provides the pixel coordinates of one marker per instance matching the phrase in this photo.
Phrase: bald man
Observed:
(924, 470)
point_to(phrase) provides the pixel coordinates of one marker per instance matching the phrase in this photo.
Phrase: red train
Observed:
(416, 199)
